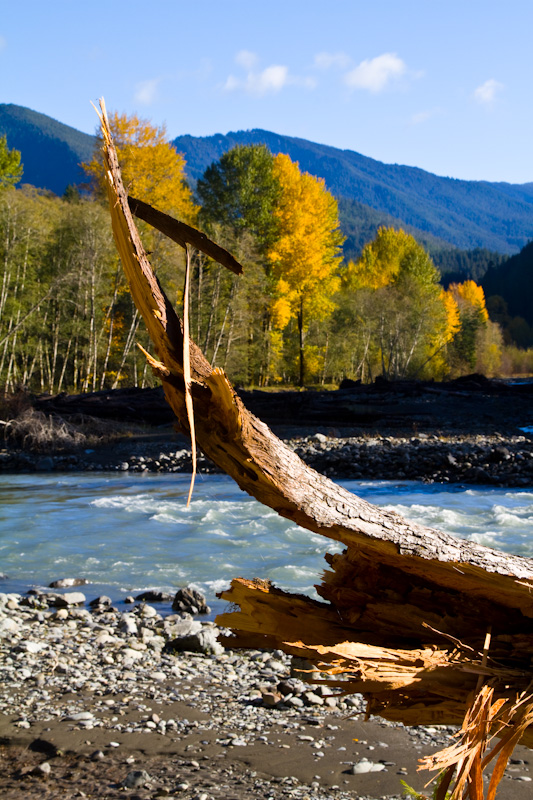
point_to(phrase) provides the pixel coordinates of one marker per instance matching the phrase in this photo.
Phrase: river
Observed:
(128, 533)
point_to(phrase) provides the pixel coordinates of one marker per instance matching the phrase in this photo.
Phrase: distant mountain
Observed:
(467, 214)
(51, 151)
(360, 223)
(444, 214)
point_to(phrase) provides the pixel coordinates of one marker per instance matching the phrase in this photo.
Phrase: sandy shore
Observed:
(95, 703)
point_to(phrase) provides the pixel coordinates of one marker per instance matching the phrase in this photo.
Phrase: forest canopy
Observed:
(299, 315)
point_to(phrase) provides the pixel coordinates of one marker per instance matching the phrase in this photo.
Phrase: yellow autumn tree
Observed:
(304, 259)
(478, 343)
(152, 169)
(382, 260)
(398, 317)
(469, 294)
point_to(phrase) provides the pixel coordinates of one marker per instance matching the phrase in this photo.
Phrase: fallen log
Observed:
(415, 619)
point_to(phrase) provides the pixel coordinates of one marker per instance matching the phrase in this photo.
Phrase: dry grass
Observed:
(33, 430)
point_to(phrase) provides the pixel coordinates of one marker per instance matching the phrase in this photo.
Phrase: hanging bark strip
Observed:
(187, 368)
(407, 607)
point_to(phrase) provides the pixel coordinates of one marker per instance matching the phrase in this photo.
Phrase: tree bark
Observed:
(407, 607)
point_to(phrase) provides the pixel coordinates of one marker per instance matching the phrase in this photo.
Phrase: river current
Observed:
(129, 533)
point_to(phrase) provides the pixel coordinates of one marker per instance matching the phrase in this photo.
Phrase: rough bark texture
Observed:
(408, 608)
(183, 234)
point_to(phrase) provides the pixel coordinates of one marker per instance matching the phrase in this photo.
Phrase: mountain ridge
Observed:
(468, 214)
(51, 151)
(464, 214)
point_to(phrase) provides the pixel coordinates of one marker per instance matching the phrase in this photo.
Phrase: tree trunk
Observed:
(407, 609)
(301, 342)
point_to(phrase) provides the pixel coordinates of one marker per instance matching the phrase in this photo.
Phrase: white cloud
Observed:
(146, 91)
(423, 116)
(486, 93)
(376, 73)
(328, 60)
(270, 80)
(246, 59)
(267, 81)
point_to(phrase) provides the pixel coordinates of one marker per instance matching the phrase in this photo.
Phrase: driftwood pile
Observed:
(431, 629)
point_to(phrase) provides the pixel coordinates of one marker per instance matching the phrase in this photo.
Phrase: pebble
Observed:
(135, 779)
(228, 691)
(68, 599)
(365, 765)
(66, 583)
(8, 626)
(466, 458)
(128, 625)
(32, 647)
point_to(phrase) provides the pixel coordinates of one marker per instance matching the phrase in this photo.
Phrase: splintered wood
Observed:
(406, 609)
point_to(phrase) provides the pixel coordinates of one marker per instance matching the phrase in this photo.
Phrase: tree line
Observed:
(299, 315)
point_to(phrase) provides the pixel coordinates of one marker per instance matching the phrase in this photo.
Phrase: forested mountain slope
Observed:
(51, 151)
(513, 281)
(467, 214)
(442, 213)
(360, 224)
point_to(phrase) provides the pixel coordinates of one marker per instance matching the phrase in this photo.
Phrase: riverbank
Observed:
(488, 459)
(97, 703)
(466, 431)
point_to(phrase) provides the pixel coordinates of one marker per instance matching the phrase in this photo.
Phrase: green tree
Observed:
(27, 218)
(10, 166)
(241, 192)
(400, 316)
(238, 194)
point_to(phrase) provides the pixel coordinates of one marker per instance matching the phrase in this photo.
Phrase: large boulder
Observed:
(204, 641)
(190, 600)
(154, 596)
(67, 583)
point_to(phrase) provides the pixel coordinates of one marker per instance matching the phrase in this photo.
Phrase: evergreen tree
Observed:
(240, 191)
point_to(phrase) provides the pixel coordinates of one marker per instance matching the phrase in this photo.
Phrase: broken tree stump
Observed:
(416, 620)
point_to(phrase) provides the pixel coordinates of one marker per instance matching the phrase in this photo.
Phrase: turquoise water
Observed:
(128, 533)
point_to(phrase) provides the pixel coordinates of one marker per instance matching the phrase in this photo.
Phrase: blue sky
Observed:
(445, 85)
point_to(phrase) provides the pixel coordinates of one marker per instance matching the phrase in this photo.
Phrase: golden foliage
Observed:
(305, 257)
(281, 308)
(152, 170)
(471, 295)
(453, 321)
(392, 255)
